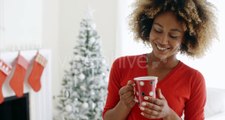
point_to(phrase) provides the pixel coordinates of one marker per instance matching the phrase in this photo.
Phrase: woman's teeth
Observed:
(161, 48)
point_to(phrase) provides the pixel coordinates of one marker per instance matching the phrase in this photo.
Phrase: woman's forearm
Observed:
(119, 112)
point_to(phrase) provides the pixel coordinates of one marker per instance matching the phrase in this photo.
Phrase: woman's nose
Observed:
(164, 39)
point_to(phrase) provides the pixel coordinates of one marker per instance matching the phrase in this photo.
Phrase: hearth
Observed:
(14, 108)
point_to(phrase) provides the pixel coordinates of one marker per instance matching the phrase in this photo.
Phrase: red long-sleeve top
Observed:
(183, 87)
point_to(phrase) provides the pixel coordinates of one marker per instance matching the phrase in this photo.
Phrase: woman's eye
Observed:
(158, 30)
(173, 36)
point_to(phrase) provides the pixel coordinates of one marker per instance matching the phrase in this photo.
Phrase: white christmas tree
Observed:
(84, 86)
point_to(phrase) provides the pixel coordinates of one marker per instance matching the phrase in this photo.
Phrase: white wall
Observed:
(51, 36)
(20, 24)
(125, 43)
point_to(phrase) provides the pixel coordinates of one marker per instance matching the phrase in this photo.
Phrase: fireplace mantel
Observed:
(40, 102)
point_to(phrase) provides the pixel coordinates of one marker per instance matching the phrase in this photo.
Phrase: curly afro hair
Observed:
(196, 14)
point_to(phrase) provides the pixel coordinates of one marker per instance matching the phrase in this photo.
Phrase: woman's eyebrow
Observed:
(157, 24)
(176, 30)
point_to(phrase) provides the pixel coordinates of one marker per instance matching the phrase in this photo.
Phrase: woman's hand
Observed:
(155, 108)
(127, 94)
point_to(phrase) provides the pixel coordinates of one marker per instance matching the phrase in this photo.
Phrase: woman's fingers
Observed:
(150, 114)
(126, 94)
(125, 89)
(155, 101)
(152, 106)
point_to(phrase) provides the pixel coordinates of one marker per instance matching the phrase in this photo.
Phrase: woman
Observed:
(170, 27)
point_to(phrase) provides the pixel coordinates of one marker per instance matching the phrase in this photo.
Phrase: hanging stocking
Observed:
(17, 81)
(35, 76)
(4, 72)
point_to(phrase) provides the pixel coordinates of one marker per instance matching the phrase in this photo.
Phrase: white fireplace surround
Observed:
(40, 102)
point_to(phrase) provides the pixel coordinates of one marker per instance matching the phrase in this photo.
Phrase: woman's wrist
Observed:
(124, 106)
(172, 116)
(119, 112)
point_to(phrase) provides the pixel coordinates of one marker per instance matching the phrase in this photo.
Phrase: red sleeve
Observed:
(194, 108)
(113, 85)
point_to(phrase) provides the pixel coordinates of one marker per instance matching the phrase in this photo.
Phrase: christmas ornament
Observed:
(66, 94)
(83, 88)
(85, 105)
(69, 108)
(93, 105)
(81, 76)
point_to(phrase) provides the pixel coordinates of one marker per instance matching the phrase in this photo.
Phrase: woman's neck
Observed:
(167, 63)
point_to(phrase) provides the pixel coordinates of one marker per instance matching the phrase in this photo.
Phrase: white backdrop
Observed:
(20, 24)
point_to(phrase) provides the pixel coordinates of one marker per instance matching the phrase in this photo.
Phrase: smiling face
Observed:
(166, 35)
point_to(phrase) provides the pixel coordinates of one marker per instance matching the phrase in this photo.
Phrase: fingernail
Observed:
(142, 113)
(146, 98)
(143, 103)
(142, 108)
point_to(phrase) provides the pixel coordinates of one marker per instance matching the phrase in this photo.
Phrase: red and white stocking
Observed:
(35, 76)
(17, 81)
(4, 72)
